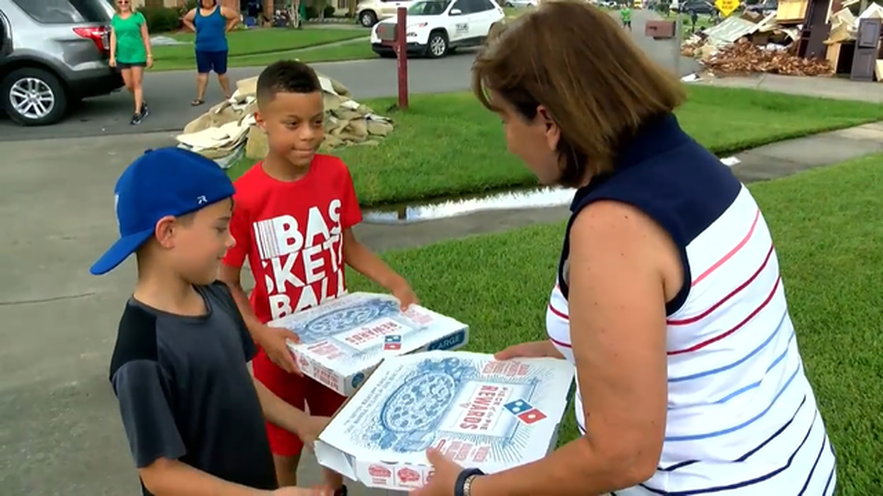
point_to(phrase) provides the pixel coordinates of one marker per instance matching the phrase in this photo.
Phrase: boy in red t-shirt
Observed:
(293, 220)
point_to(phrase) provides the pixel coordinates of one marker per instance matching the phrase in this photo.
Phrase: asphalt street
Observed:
(170, 93)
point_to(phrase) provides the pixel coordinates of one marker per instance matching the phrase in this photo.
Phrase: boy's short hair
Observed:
(286, 76)
(162, 182)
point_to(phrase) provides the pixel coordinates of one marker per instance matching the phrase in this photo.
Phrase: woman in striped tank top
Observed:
(668, 298)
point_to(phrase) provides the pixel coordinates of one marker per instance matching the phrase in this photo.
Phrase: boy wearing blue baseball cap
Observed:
(192, 413)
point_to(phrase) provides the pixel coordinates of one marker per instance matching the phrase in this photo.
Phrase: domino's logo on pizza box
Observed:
(525, 412)
(392, 343)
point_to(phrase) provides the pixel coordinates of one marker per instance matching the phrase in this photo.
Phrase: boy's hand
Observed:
(312, 427)
(274, 341)
(405, 294)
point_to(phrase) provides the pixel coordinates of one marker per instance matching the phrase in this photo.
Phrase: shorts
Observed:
(207, 62)
(128, 65)
(294, 390)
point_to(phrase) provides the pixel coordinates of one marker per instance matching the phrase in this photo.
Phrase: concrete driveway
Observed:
(59, 428)
(170, 93)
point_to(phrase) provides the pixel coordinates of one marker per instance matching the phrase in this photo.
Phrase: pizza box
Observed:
(343, 340)
(489, 414)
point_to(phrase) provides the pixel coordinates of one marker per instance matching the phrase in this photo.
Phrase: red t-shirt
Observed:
(292, 234)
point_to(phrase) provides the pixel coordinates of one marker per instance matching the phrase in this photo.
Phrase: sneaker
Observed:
(136, 119)
(145, 110)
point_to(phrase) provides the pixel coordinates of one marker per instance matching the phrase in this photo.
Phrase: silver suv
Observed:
(53, 53)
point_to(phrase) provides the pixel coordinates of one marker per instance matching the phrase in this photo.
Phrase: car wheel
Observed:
(367, 18)
(33, 97)
(509, 4)
(437, 46)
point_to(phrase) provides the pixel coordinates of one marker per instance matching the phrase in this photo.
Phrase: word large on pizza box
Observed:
(484, 413)
(343, 340)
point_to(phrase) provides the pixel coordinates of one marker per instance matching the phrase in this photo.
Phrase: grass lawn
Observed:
(515, 12)
(703, 22)
(448, 144)
(253, 42)
(828, 227)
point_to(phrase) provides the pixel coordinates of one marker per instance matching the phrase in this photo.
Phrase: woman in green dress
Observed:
(130, 52)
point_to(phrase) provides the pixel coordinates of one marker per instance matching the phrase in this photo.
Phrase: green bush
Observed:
(329, 11)
(161, 19)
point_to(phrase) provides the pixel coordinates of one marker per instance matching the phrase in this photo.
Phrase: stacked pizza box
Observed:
(409, 391)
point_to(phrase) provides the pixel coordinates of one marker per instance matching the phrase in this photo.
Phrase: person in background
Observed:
(130, 53)
(625, 15)
(211, 23)
(667, 298)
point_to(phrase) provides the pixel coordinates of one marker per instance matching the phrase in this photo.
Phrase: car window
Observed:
(461, 4)
(429, 7)
(486, 5)
(477, 5)
(65, 11)
(467, 6)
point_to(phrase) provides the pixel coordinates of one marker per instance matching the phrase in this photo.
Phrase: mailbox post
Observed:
(397, 39)
(402, 55)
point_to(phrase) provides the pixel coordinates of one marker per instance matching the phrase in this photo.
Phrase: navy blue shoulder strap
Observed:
(669, 177)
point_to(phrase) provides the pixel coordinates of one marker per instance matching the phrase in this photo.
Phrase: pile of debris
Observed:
(228, 130)
(755, 42)
(745, 57)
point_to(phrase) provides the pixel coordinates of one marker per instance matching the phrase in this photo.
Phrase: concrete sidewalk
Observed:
(838, 88)
(60, 431)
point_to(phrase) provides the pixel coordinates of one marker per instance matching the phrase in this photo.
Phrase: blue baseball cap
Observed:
(165, 181)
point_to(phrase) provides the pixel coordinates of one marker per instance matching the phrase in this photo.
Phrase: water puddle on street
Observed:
(538, 197)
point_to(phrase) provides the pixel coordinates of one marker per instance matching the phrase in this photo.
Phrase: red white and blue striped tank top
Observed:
(742, 418)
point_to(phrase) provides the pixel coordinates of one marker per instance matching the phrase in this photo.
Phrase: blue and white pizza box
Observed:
(343, 340)
(489, 414)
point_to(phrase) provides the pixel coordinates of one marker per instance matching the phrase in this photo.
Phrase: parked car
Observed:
(698, 6)
(437, 27)
(521, 4)
(370, 12)
(766, 7)
(53, 53)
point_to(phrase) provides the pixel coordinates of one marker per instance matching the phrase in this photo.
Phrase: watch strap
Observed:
(460, 487)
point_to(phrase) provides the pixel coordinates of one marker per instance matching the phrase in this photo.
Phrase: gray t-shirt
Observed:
(186, 394)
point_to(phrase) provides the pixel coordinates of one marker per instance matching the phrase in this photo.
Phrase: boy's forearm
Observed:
(359, 257)
(174, 478)
(279, 412)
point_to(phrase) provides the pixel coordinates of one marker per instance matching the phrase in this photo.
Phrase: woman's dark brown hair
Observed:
(574, 59)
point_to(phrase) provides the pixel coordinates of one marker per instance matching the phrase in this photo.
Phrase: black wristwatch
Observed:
(463, 486)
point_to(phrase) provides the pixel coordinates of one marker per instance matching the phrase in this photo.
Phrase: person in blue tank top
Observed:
(211, 23)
